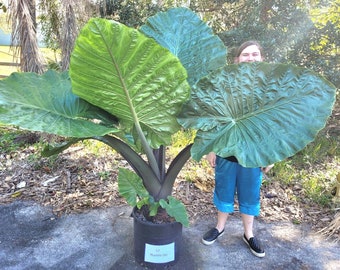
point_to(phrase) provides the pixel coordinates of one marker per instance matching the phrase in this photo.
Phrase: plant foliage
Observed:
(262, 113)
(166, 28)
(127, 91)
(46, 103)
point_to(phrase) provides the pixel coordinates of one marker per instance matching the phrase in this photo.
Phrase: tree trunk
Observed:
(24, 35)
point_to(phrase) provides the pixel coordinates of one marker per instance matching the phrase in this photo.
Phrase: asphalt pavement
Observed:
(31, 237)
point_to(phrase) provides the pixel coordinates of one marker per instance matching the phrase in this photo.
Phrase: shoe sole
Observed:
(207, 243)
(260, 255)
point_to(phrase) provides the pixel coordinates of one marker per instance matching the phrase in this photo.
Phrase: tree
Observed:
(326, 17)
(62, 19)
(131, 13)
(287, 31)
(301, 32)
(24, 35)
(60, 23)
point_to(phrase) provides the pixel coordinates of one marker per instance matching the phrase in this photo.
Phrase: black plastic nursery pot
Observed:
(156, 245)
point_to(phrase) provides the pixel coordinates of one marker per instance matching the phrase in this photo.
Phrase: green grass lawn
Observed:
(7, 55)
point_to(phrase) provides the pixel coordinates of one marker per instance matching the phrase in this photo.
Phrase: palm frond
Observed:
(24, 35)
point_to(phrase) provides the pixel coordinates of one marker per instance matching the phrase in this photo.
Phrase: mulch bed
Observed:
(78, 180)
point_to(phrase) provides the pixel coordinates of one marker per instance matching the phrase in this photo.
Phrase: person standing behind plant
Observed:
(229, 174)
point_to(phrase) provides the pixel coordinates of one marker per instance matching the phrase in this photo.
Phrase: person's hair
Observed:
(247, 44)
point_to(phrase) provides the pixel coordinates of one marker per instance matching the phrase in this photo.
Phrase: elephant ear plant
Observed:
(125, 90)
(131, 88)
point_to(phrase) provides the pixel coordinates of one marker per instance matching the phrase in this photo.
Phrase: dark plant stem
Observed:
(171, 175)
(139, 165)
(160, 159)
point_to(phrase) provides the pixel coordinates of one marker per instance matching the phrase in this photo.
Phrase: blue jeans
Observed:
(247, 181)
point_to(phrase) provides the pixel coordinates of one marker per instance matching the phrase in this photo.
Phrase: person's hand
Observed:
(211, 157)
(267, 169)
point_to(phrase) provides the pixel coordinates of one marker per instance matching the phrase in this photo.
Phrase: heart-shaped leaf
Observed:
(189, 38)
(46, 103)
(132, 77)
(260, 113)
(130, 186)
(176, 209)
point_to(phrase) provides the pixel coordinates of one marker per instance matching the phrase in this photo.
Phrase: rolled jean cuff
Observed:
(251, 210)
(223, 206)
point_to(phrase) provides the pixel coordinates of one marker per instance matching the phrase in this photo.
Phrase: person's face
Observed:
(250, 54)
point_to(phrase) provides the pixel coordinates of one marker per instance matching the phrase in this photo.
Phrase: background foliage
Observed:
(305, 33)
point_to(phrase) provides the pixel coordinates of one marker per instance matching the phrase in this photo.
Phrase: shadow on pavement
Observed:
(31, 237)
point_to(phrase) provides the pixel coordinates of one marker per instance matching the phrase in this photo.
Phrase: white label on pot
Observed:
(159, 254)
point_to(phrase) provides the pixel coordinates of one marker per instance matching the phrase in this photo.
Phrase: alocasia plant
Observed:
(126, 90)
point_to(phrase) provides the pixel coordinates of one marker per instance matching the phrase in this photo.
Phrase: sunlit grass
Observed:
(314, 168)
(7, 139)
(7, 55)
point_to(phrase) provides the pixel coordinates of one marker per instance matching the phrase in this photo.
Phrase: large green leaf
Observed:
(131, 76)
(261, 113)
(182, 32)
(130, 186)
(46, 103)
(176, 209)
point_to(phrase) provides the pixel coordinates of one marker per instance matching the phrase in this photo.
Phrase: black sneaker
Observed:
(254, 246)
(210, 236)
